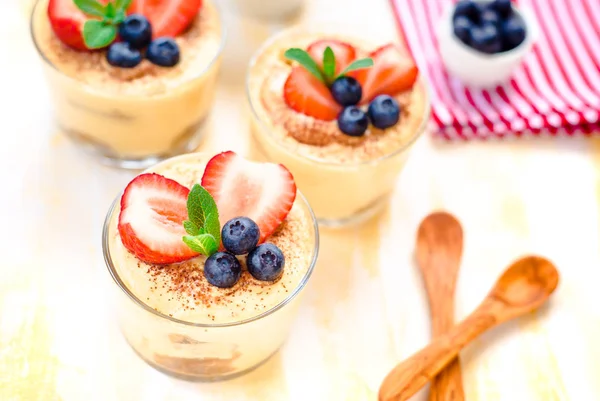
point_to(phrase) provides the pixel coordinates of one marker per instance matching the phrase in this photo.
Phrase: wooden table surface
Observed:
(365, 307)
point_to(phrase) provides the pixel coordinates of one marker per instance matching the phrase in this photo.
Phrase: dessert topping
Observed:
(168, 17)
(202, 226)
(353, 121)
(263, 192)
(136, 30)
(67, 22)
(153, 209)
(393, 72)
(240, 235)
(344, 53)
(101, 30)
(266, 262)
(121, 54)
(163, 52)
(384, 111)
(346, 91)
(222, 270)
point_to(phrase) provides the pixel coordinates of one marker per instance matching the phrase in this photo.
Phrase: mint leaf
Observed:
(98, 34)
(213, 226)
(119, 17)
(205, 244)
(305, 61)
(109, 11)
(329, 63)
(202, 210)
(122, 5)
(191, 228)
(91, 7)
(358, 65)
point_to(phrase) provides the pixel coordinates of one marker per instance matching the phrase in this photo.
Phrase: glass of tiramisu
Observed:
(131, 81)
(340, 112)
(210, 257)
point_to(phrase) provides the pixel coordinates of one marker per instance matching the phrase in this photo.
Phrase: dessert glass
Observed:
(199, 351)
(131, 130)
(341, 192)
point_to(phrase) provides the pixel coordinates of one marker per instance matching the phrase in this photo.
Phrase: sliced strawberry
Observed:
(304, 93)
(153, 209)
(344, 52)
(67, 22)
(168, 17)
(264, 192)
(393, 71)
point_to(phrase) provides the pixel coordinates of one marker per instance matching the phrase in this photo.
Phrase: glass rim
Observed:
(223, 41)
(117, 279)
(298, 28)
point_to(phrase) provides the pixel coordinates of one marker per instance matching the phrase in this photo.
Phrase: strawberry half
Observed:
(168, 17)
(304, 93)
(393, 72)
(264, 192)
(153, 209)
(67, 22)
(344, 53)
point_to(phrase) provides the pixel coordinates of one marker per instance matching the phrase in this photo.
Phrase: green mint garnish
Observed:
(329, 64)
(358, 65)
(202, 226)
(327, 73)
(101, 31)
(305, 61)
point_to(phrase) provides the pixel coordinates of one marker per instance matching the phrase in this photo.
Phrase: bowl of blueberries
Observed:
(482, 41)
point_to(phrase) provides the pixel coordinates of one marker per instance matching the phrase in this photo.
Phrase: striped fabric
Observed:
(555, 91)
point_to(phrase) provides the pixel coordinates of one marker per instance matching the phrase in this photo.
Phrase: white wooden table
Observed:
(365, 307)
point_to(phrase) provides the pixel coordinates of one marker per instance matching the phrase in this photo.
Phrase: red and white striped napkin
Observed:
(556, 90)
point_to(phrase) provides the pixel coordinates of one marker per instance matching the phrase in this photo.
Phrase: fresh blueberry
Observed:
(265, 262)
(502, 7)
(513, 32)
(491, 17)
(222, 269)
(486, 39)
(353, 121)
(462, 29)
(120, 54)
(163, 52)
(467, 8)
(346, 91)
(240, 235)
(136, 30)
(384, 111)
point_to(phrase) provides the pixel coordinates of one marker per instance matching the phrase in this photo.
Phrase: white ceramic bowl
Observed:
(478, 69)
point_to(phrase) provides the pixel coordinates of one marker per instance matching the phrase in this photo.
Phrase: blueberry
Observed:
(384, 111)
(462, 29)
(346, 91)
(222, 269)
(265, 262)
(513, 32)
(120, 54)
(136, 30)
(467, 8)
(486, 39)
(353, 121)
(491, 17)
(163, 52)
(502, 7)
(240, 235)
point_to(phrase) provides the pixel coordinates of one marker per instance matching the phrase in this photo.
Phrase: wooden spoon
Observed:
(523, 287)
(439, 250)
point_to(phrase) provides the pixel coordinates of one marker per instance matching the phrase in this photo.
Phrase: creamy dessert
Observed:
(132, 81)
(340, 113)
(210, 257)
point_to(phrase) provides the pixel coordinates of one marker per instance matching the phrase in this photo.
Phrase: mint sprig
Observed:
(101, 31)
(327, 73)
(203, 226)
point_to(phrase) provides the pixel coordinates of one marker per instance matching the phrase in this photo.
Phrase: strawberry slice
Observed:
(393, 71)
(304, 93)
(153, 209)
(264, 192)
(344, 52)
(67, 22)
(168, 17)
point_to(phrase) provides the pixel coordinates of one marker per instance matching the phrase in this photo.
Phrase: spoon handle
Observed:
(412, 374)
